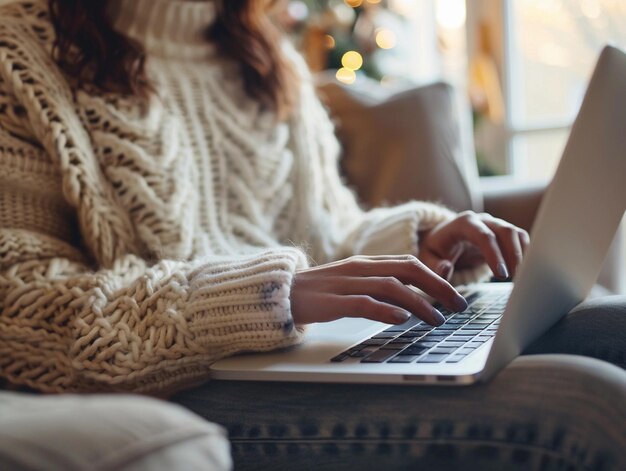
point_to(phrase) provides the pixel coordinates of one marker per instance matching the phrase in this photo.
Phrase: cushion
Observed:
(106, 432)
(410, 145)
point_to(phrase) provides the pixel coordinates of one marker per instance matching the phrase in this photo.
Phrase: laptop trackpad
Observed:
(346, 328)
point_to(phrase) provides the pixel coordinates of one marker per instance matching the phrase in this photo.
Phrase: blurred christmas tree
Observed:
(352, 37)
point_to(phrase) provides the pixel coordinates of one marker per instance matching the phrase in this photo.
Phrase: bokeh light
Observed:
(352, 60)
(353, 3)
(345, 75)
(385, 38)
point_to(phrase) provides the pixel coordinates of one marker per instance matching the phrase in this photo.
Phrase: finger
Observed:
(480, 235)
(524, 240)
(369, 308)
(509, 242)
(456, 253)
(392, 291)
(441, 266)
(412, 272)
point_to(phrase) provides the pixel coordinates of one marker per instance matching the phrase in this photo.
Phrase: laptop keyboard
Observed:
(417, 342)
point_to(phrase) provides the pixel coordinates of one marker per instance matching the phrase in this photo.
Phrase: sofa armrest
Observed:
(518, 203)
(121, 432)
(514, 201)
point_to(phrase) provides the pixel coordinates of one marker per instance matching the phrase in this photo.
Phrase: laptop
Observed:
(576, 223)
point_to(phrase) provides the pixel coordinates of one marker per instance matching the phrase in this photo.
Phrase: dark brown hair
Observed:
(88, 48)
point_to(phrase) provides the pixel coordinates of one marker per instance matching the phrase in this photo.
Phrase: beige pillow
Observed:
(411, 145)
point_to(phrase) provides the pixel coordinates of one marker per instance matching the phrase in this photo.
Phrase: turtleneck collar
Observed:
(166, 28)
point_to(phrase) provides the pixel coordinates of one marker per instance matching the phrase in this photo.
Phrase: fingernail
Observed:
(502, 271)
(402, 316)
(460, 303)
(438, 318)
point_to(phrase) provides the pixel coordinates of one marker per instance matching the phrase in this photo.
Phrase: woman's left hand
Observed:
(471, 239)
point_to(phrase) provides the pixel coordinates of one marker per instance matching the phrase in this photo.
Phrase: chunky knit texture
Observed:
(140, 243)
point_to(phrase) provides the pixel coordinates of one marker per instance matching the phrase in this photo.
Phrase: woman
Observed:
(171, 197)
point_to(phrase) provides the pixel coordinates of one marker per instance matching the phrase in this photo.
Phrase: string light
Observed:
(346, 76)
(329, 41)
(352, 60)
(353, 3)
(385, 38)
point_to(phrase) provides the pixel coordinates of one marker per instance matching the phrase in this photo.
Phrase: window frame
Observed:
(514, 165)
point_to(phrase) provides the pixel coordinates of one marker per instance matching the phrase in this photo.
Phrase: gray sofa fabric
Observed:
(106, 433)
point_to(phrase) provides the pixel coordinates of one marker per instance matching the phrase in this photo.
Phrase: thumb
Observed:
(445, 269)
(441, 266)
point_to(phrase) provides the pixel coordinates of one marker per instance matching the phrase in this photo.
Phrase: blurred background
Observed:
(523, 65)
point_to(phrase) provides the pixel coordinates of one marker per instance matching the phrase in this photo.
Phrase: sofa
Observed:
(414, 144)
(106, 433)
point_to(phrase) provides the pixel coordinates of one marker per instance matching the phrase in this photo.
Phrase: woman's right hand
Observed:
(371, 287)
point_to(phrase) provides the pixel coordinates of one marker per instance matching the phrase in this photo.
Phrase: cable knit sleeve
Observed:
(140, 328)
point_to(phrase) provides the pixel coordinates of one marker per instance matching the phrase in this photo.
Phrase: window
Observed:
(550, 49)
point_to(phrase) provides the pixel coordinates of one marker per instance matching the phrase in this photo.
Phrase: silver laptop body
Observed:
(576, 223)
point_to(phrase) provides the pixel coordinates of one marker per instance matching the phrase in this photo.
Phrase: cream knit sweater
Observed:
(139, 244)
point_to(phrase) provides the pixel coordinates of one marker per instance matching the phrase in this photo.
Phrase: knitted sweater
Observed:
(140, 243)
